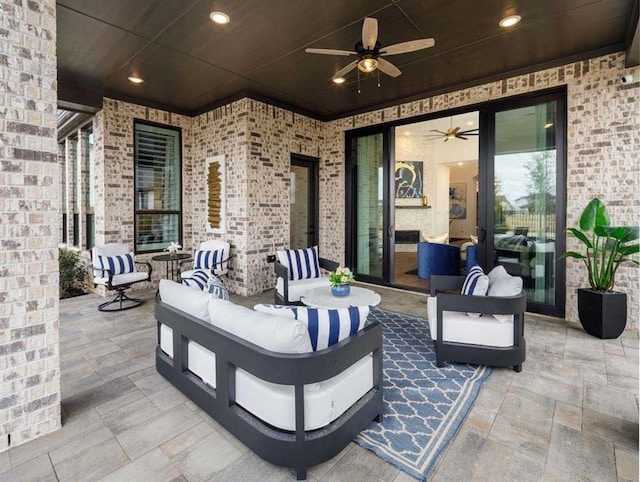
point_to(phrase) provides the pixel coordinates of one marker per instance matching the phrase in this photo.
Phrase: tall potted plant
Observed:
(602, 311)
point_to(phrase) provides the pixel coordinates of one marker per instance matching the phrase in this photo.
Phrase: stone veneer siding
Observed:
(29, 219)
(258, 139)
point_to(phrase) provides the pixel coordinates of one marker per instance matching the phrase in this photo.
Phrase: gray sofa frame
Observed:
(300, 449)
(512, 356)
(283, 272)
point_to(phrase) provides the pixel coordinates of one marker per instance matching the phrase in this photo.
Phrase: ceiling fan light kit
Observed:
(370, 53)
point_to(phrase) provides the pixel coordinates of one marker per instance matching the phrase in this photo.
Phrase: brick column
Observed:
(29, 219)
(82, 185)
(70, 165)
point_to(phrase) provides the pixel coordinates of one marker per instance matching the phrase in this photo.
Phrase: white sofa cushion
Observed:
(326, 326)
(184, 298)
(459, 328)
(301, 263)
(298, 288)
(275, 333)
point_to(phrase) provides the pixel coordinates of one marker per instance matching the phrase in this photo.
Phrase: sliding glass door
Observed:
(525, 185)
(368, 213)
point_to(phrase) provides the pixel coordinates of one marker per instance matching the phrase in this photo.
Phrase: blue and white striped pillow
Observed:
(326, 326)
(208, 259)
(198, 279)
(476, 284)
(206, 282)
(117, 264)
(302, 263)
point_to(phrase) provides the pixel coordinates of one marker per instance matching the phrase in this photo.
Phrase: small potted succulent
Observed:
(341, 280)
(602, 311)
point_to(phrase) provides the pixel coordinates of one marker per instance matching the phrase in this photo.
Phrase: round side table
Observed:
(172, 263)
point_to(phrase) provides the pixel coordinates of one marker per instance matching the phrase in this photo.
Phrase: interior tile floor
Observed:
(571, 414)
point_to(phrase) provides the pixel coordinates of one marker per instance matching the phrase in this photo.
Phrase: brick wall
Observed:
(29, 219)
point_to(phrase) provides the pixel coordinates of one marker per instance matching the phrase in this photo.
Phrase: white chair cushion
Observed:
(459, 328)
(298, 288)
(326, 326)
(184, 298)
(504, 284)
(274, 333)
(301, 263)
(122, 279)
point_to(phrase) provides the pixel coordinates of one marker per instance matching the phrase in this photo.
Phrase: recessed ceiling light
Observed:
(461, 164)
(407, 133)
(470, 123)
(547, 125)
(219, 18)
(339, 80)
(135, 79)
(509, 21)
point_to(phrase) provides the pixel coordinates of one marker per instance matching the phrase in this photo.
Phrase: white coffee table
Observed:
(322, 298)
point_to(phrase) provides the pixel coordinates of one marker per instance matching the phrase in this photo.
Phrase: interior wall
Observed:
(467, 174)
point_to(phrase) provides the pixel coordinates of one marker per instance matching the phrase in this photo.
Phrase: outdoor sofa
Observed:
(292, 406)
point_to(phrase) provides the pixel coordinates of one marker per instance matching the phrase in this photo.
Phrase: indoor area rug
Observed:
(424, 406)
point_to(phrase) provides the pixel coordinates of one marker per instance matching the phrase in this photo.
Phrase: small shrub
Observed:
(74, 277)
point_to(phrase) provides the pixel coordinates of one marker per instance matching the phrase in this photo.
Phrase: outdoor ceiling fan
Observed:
(370, 52)
(452, 133)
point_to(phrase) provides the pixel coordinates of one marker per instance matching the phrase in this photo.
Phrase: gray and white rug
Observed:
(424, 406)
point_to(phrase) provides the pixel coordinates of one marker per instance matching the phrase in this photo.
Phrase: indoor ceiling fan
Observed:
(452, 133)
(370, 53)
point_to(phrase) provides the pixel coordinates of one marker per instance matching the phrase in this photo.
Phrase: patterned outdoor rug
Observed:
(424, 406)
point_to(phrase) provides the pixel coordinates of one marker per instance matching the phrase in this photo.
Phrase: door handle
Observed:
(390, 231)
(483, 235)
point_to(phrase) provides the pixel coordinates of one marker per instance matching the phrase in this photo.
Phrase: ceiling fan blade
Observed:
(410, 46)
(455, 131)
(388, 68)
(439, 132)
(369, 33)
(461, 137)
(345, 70)
(330, 52)
(446, 139)
(470, 132)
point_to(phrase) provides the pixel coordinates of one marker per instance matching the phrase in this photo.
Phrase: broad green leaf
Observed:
(581, 236)
(631, 249)
(573, 254)
(634, 233)
(616, 232)
(595, 214)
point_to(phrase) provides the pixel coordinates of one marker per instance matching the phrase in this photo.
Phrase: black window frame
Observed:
(136, 211)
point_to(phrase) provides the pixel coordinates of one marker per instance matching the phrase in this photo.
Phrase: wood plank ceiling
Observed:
(190, 64)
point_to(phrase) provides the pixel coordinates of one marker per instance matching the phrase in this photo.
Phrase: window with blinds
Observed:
(158, 199)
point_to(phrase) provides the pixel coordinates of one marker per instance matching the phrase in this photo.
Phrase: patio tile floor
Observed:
(571, 414)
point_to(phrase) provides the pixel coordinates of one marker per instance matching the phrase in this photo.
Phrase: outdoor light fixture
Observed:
(367, 65)
(339, 80)
(135, 79)
(547, 125)
(219, 18)
(509, 21)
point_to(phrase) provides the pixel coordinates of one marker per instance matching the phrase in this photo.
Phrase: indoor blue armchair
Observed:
(435, 258)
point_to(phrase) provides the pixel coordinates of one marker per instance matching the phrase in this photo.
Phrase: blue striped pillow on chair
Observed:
(117, 264)
(302, 263)
(476, 284)
(326, 326)
(204, 259)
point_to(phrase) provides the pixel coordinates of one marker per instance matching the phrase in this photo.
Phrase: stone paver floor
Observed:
(572, 414)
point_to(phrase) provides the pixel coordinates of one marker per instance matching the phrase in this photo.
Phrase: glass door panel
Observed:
(368, 206)
(303, 203)
(525, 192)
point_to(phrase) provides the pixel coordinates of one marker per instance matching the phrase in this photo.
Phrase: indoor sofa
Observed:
(257, 376)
